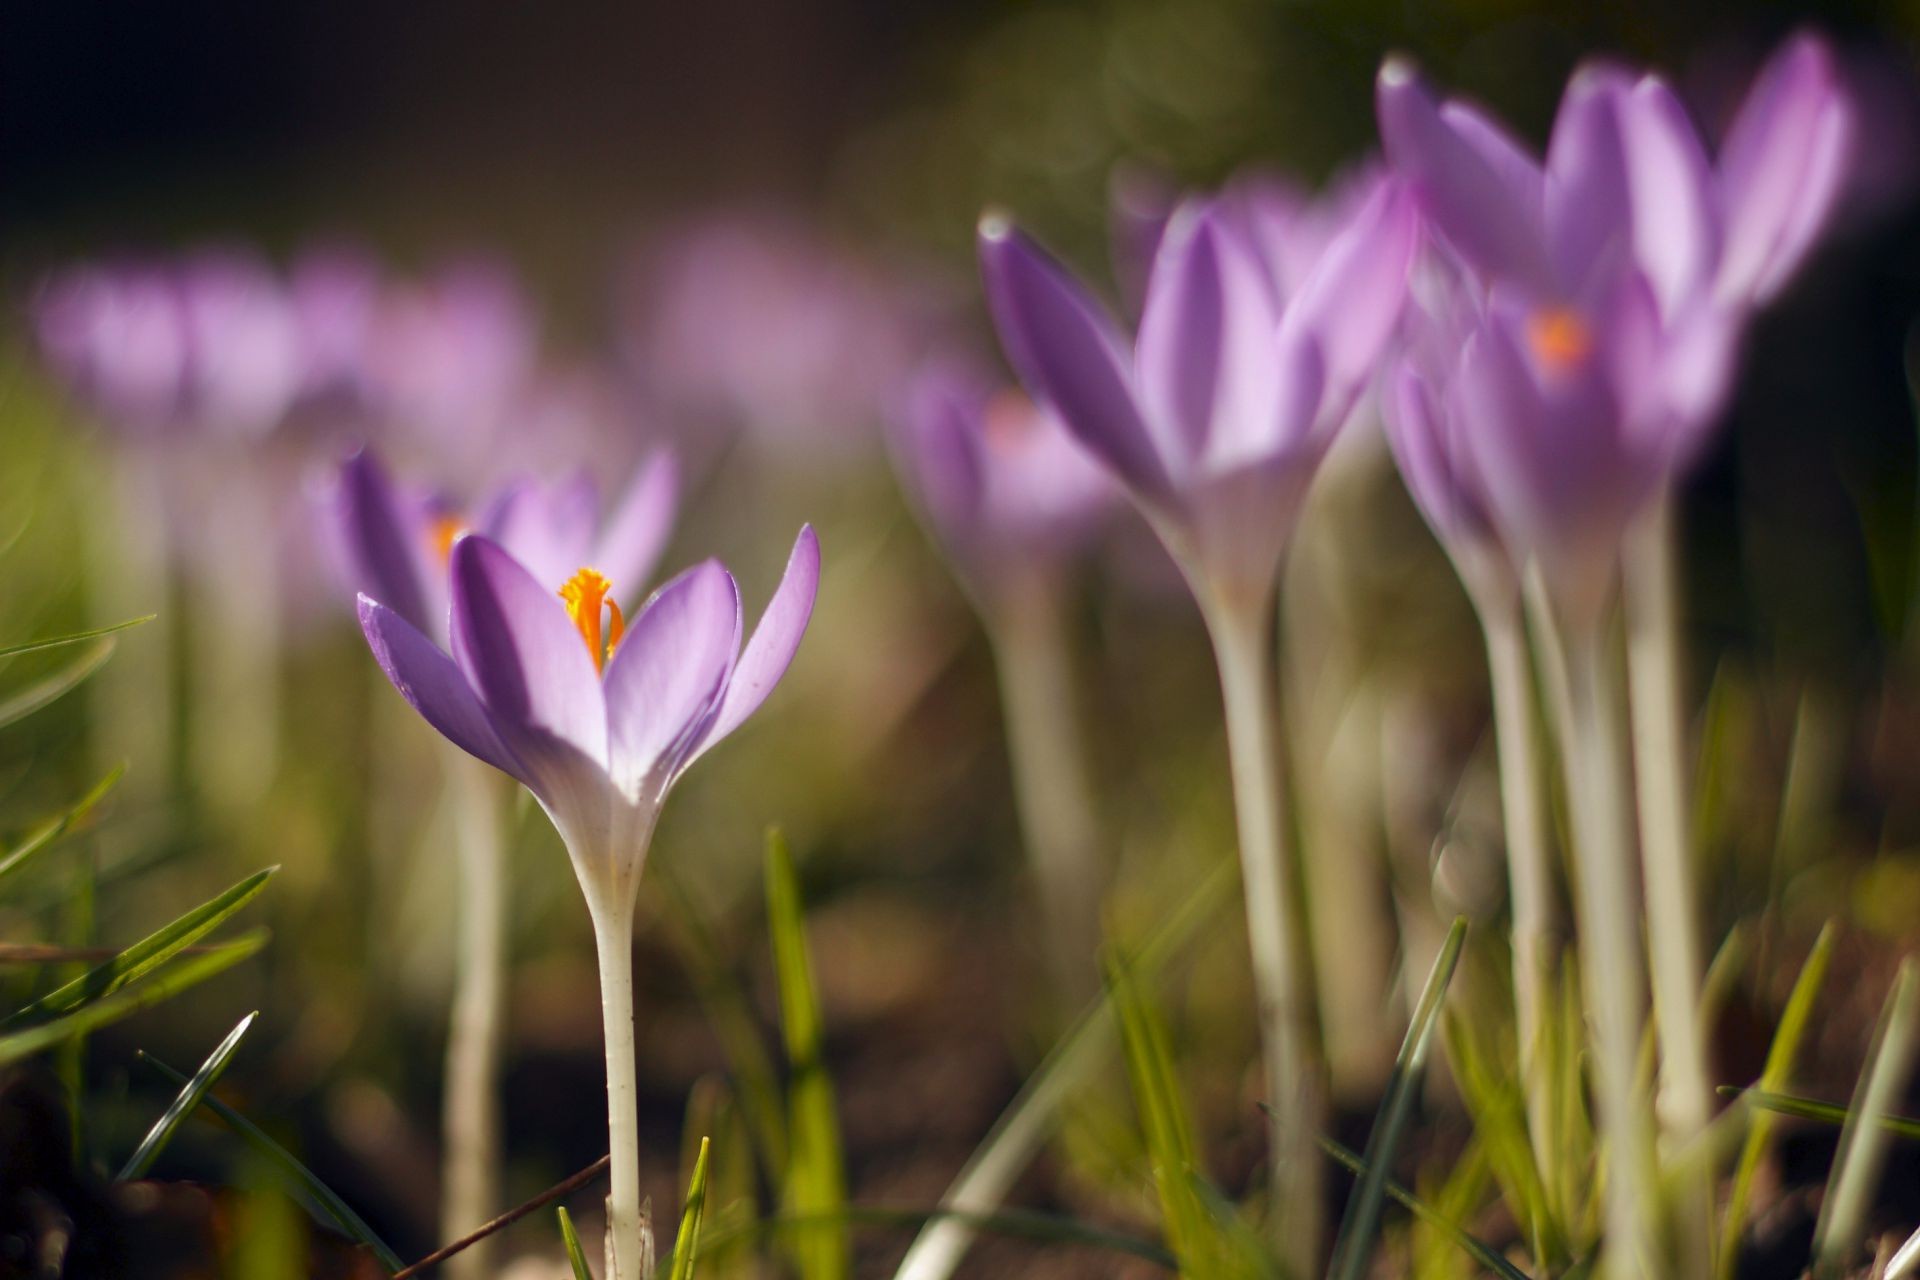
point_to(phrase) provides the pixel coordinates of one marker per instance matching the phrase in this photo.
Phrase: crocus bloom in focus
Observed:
(396, 542)
(1218, 415)
(1004, 486)
(595, 714)
(1611, 285)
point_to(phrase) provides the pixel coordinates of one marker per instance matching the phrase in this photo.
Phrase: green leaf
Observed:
(1863, 1139)
(1474, 1247)
(816, 1182)
(55, 642)
(686, 1245)
(144, 956)
(1794, 1020)
(188, 1098)
(1354, 1244)
(49, 832)
(576, 1257)
(1788, 1104)
(50, 688)
(188, 973)
(302, 1178)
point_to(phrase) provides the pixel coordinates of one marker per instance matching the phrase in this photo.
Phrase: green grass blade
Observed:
(1163, 1117)
(48, 689)
(1045, 1228)
(576, 1257)
(144, 956)
(1794, 1020)
(44, 836)
(1499, 1118)
(188, 1098)
(1353, 1245)
(816, 1182)
(55, 642)
(1863, 1139)
(283, 1160)
(1010, 1145)
(686, 1245)
(1474, 1247)
(188, 973)
(1788, 1104)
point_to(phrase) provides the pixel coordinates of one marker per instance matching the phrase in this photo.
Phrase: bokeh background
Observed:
(579, 143)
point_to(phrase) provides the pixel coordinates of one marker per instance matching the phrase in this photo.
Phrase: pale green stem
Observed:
(613, 941)
(470, 1173)
(130, 574)
(1242, 634)
(1529, 866)
(1661, 762)
(1599, 797)
(1050, 777)
(236, 639)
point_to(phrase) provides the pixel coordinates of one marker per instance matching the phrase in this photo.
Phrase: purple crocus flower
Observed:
(597, 719)
(1217, 416)
(395, 542)
(1607, 289)
(1006, 489)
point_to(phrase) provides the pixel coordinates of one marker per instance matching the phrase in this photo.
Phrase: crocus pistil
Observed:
(587, 594)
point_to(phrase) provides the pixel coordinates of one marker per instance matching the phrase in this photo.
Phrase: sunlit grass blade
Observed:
(144, 956)
(1474, 1247)
(1863, 1139)
(189, 1097)
(1499, 1117)
(1905, 1259)
(816, 1181)
(1353, 1244)
(1794, 1020)
(303, 1178)
(76, 637)
(1788, 1104)
(1163, 1116)
(1008, 1147)
(686, 1245)
(50, 688)
(44, 836)
(576, 1256)
(189, 972)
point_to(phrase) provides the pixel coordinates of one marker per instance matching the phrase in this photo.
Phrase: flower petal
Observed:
(668, 675)
(775, 640)
(520, 651)
(631, 544)
(548, 528)
(1675, 236)
(434, 686)
(382, 542)
(1069, 353)
(1351, 302)
(1589, 205)
(1782, 168)
(934, 446)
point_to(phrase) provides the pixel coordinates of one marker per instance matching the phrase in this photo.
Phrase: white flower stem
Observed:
(132, 573)
(1050, 778)
(1529, 866)
(1673, 918)
(613, 940)
(237, 642)
(1242, 634)
(1610, 963)
(470, 1173)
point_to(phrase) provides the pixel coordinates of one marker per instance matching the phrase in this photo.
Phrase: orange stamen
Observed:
(1559, 337)
(585, 594)
(446, 531)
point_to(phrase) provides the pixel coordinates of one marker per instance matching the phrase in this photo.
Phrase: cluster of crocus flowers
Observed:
(1576, 340)
(1247, 361)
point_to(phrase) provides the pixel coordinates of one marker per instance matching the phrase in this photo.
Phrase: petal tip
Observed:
(996, 226)
(1398, 71)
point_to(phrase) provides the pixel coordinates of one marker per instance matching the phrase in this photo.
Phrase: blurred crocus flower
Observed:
(597, 717)
(117, 337)
(1611, 285)
(1006, 489)
(395, 541)
(1217, 416)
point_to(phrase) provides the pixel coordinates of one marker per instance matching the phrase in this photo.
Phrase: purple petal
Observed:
(1204, 357)
(1067, 350)
(513, 639)
(935, 448)
(1351, 303)
(1464, 175)
(1674, 233)
(668, 674)
(548, 528)
(383, 542)
(1589, 204)
(775, 640)
(1782, 168)
(631, 544)
(434, 686)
